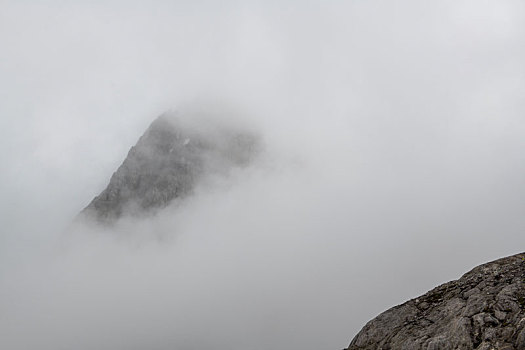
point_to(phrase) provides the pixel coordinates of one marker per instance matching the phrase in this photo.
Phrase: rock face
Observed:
(484, 309)
(166, 164)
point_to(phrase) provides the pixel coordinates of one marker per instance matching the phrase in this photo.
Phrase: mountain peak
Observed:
(167, 162)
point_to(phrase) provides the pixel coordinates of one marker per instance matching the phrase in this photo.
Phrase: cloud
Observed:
(393, 162)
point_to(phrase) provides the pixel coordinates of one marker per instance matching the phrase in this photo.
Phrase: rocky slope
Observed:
(484, 309)
(167, 162)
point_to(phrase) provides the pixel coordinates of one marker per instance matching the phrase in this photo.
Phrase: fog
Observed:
(393, 161)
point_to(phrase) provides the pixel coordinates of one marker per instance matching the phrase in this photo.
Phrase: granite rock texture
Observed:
(484, 309)
(167, 162)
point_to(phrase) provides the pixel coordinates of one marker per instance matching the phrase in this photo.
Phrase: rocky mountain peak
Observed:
(167, 162)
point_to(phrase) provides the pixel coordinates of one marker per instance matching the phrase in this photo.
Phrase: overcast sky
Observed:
(394, 161)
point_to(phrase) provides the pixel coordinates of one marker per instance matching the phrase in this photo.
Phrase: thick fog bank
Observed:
(393, 161)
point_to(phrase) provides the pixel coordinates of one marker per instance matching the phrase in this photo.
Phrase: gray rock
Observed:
(167, 162)
(484, 309)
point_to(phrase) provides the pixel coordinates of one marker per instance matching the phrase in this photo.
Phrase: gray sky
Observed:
(394, 162)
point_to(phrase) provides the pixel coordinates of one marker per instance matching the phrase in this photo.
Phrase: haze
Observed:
(394, 138)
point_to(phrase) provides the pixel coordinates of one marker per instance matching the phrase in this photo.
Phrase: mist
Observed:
(393, 161)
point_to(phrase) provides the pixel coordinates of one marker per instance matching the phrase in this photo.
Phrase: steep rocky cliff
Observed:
(484, 309)
(167, 162)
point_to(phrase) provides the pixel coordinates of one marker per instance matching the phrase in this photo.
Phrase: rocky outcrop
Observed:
(484, 309)
(167, 162)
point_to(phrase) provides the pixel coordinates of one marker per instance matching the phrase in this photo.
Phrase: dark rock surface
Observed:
(484, 309)
(167, 162)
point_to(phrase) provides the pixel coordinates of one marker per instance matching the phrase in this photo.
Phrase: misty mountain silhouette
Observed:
(167, 162)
